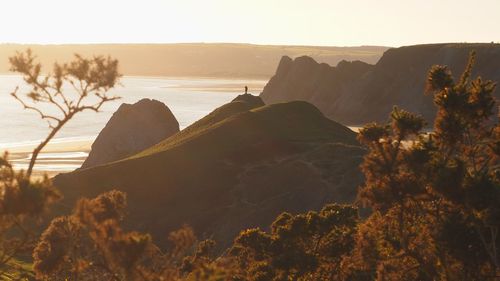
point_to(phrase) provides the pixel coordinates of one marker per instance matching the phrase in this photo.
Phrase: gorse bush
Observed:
(300, 247)
(435, 202)
(22, 201)
(90, 244)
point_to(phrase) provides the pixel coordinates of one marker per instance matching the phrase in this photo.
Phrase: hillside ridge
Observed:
(280, 157)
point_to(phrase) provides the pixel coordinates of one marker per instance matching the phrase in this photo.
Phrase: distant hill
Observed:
(238, 167)
(355, 93)
(205, 60)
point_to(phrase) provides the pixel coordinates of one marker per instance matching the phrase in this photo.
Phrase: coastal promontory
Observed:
(131, 129)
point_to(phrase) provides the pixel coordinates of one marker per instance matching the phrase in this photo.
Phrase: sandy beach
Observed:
(60, 155)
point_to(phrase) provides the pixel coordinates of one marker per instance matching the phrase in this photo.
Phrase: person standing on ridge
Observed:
(246, 90)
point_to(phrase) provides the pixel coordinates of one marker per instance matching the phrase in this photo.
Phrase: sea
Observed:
(189, 99)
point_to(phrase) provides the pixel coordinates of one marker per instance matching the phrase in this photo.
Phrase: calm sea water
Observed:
(189, 99)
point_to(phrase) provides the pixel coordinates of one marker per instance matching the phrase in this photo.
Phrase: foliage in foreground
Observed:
(435, 197)
(306, 246)
(435, 201)
(24, 199)
(91, 245)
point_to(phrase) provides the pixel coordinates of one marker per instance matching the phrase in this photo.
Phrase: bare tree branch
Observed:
(88, 77)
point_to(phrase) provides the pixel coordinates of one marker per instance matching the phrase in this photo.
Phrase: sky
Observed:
(270, 22)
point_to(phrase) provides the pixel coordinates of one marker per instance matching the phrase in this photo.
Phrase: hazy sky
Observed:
(304, 22)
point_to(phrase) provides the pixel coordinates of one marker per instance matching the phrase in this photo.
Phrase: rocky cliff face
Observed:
(131, 129)
(355, 93)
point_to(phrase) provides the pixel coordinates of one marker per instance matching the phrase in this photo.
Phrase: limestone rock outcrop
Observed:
(131, 129)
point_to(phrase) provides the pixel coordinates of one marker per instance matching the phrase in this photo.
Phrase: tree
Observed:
(435, 196)
(89, 78)
(22, 197)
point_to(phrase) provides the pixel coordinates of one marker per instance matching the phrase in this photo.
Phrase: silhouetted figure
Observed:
(246, 90)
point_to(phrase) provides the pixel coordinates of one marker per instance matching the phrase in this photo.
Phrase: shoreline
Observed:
(59, 156)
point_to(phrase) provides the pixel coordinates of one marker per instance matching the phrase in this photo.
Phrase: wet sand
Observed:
(59, 156)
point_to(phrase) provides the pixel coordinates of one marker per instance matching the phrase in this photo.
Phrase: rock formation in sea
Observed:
(131, 129)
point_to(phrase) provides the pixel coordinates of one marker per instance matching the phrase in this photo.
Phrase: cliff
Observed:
(131, 129)
(355, 93)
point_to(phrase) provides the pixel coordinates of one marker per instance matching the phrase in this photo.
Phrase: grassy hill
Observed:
(195, 59)
(236, 168)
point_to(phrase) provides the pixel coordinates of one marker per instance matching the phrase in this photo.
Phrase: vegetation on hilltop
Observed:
(304, 122)
(239, 105)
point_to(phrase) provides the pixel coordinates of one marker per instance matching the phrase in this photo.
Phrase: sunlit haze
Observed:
(297, 22)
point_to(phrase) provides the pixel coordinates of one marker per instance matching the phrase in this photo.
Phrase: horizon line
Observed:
(238, 43)
(201, 43)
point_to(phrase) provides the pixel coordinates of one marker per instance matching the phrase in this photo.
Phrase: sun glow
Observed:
(318, 22)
